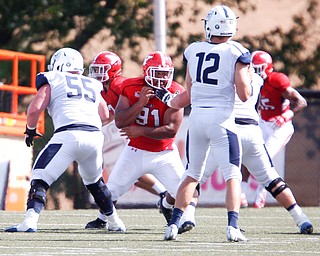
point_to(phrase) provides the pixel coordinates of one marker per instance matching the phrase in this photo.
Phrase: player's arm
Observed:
(104, 112)
(297, 102)
(242, 81)
(183, 99)
(125, 114)
(37, 105)
(175, 100)
(172, 122)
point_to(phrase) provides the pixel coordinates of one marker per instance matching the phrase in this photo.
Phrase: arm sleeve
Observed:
(41, 80)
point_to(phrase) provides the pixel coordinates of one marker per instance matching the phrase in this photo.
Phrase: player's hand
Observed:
(131, 131)
(146, 93)
(282, 119)
(278, 121)
(164, 95)
(30, 134)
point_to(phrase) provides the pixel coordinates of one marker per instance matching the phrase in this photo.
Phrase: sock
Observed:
(189, 214)
(193, 204)
(102, 216)
(165, 204)
(291, 207)
(113, 216)
(176, 216)
(191, 208)
(158, 187)
(233, 219)
(37, 206)
(297, 214)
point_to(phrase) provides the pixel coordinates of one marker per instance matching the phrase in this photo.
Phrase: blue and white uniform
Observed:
(73, 106)
(212, 125)
(254, 153)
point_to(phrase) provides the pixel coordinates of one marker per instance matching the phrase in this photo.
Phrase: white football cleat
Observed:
(115, 224)
(235, 235)
(22, 227)
(171, 232)
(29, 223)
(304, 223)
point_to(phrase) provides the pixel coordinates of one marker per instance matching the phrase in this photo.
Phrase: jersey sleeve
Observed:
(41, 80)
(279, 80)
(243, 53)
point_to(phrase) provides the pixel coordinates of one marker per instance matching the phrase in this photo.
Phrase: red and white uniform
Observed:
(151, 116)
(271, 105)
(146, 155)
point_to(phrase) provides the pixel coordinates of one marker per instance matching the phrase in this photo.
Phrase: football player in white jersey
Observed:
(78, 112)
(257, 160)
(215, 69)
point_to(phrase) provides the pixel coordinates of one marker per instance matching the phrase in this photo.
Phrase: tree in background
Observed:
(44, 26)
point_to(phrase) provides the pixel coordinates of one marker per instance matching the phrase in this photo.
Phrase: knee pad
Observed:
(37, 196)
(278, 189)
(102, 196)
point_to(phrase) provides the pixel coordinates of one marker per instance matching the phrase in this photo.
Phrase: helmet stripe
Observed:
(225, 11)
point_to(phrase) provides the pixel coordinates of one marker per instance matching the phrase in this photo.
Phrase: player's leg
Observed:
(260, 166)
(51, 162)
(169, 172)
(125, 172)
(36, 201)
(188, 221)
(149, 183)
(228, 152)
(275, 140)
(283, 194)
(198, 144)
(89, 159)
(244, 185)
(102, 197)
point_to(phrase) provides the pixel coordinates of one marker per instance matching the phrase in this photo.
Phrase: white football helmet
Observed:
(66, 60)
(220, 21)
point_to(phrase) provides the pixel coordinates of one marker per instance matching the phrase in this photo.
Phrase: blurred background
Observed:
(288, 30)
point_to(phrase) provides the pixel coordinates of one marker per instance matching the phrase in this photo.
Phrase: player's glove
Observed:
(282, 119)
(30, 133)
(164, 95)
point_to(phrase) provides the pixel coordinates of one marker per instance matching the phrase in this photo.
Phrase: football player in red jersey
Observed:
(278, 103)
(151, 127)
(107, 68)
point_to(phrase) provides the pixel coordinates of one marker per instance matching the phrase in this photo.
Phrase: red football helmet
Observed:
(262, 63)
(158, 70)
(105, 66)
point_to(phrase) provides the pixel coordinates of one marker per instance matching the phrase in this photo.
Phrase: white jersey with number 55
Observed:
(69, 94)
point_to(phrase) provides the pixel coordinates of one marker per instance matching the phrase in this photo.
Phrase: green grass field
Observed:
(270, 231)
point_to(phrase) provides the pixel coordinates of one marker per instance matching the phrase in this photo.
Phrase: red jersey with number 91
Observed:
(271, 102)
(111, 96)
(151, 115)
